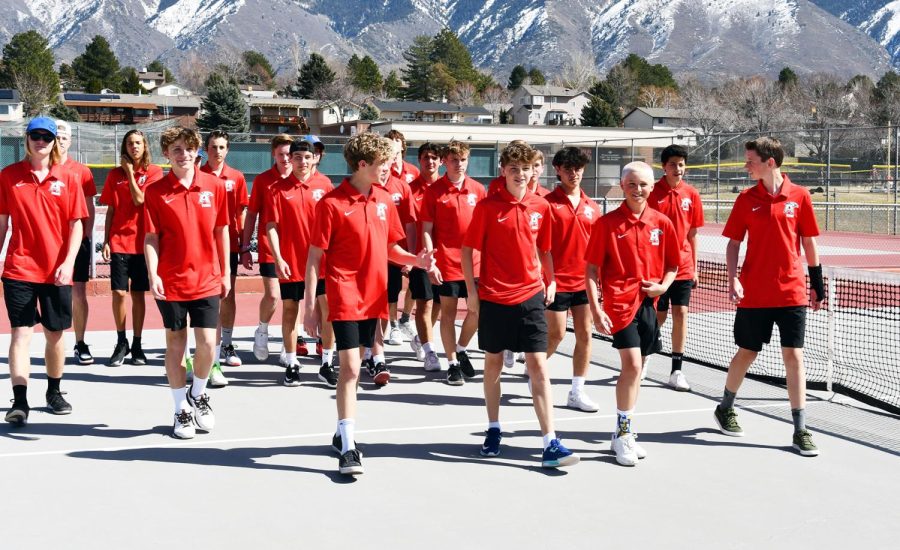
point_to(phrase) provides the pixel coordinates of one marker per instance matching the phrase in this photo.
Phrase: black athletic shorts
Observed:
(420, 285)
(235, 259)
(267, 270)
(642, 332)
(204, 313)
(82, 271)
(753, 326)
(353, 334)
(519, 327)
(28, 304)
(564, 301)
(679, 294)
(395, 283)
(123, 267)
(294, 290)
(453, 289)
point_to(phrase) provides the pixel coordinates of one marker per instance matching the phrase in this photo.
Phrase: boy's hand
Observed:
(651, 289)
(550, 293)
(425, 260)
(601, 320)
(311, 321)
(247, 259)
(283, 269)
(816, 302)
(63, 275)
(435, 276)
(473, 303)
(736, 291)
(156, 287)
(226, 286)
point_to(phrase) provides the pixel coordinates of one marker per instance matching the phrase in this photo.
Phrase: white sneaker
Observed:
(432, 362)
(638, 450)
(623, 446)
(261, 344)
(580, 400)
(407, 329)
(183, 427)
(395, 337)
(509, 359)
(282, 360)
(678, 382)
(217, 377)
(203, 413)
(520, 357)
(417, 348)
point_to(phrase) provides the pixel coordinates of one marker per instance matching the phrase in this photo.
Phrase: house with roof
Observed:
(548, 105)
(151, 80)
(431, 111)
(171, 89)
(255, 90)
(131, 108)
(12, 109)
(656, 118)
(275, 115)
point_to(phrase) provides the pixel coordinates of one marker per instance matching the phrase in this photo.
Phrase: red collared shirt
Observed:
(626, 250)
(259, 194)
(236, 199)
(185, 219)
(772, 273)
(571, 233)
(508, 233)
(40, 213)
(683, 208)
(84, 176)
(126, 230)
(499, 183)
(417, 194)
(292, 205)
(450, 210)
(355, 232)
(407, 173)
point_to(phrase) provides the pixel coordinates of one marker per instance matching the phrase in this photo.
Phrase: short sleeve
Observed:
(395, 228)
(241, 192)
(273, 207)
(545, 232)
(807, 226)
(697, 218)
(405, 208)
(428, 208)
(256, 195)
(4, 205)
(151, 218)
(672, 250)
(736, 226)
(108, 195)
(596, 248)
(87, 182)
(475, 234)
(320, 236)
(77, 205)
(221, 207)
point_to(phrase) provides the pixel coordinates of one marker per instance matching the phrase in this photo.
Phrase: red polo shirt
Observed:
(772, 273)
(571, 233)
(450, 210)
(683, 208)
(84, 176)
(40, 213)
(499, 183)
(236, 199)
(407, 173)
(292, 206)
(126, 232)
(259, 194)
(318, 178)
(626, 250)
(355, 232)
(417, 193)
(508, 232)
(184, 219)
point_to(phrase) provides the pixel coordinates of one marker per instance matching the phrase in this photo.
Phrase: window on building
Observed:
(4, 109)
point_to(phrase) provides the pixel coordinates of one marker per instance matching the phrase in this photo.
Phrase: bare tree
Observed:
(579, 73)
(760, 105)
(657, 97)
(495, 99)
(34, 92)
(339, 94)
(193, 72)
(463, 93)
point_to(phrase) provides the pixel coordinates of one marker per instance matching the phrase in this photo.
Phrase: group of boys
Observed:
(521, 261)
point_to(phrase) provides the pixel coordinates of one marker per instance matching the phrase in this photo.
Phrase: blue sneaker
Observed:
(557, 456)
(491, 445)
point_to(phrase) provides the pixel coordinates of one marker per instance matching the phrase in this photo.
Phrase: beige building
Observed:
(285, 115)
(548, 105)
(431, 111)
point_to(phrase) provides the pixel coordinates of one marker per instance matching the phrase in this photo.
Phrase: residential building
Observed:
(431, 111)
(171, 89)
(151, 80)
(11, 106)
(652, 118)
(285, 115)
(255, 90)
(548, 105)
(131, 108)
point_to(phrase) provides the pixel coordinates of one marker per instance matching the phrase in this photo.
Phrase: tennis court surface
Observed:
(109, 475)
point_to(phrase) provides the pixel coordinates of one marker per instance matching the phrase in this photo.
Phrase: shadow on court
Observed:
(36, 430)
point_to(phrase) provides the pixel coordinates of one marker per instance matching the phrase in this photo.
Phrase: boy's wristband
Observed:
(816, 281)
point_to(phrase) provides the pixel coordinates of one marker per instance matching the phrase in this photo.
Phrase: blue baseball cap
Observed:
(42, 123)
(311, 138)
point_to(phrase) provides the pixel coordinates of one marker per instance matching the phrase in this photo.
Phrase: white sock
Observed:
(378, 358)
(218, 354)
(460, 348)
(494, 425)
(263, 327)
(367, 354)
(623, 421)
(226, 336)
(548, 437)
(427, 347)
(180, 397)
(198, 386)
(289, 358)
(326, 356)
(577, 384)
(187, 350)
(345, 428)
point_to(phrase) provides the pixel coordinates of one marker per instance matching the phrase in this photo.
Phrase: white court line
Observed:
(221, 442)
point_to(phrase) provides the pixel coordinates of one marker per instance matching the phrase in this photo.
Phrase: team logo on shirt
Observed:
(589, 213)
(206, 199)
(654, 236)
(396, 198)
(534, 221)
(229, 185)
(409, 178)
(473, 198)
(318, 194)
(141, 180)
(381, 211)
(56, 187)
(686, 203)
(790, 209)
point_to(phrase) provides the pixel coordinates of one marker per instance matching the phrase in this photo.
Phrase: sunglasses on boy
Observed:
(41, 136)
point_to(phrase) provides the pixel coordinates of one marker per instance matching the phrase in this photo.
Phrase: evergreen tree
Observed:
(647, 74)
(517, 77)
(536, 77)
(313, 74)
(447, 48)
(364, 74)
(223, 107)
(60, 111)
(599, 113)
(393, 86)
(28, 67)
(787, 78)
(158, 67)
(418, 70)
(259, 70)
(97, 67)
(129, 81)
(369, 112)
(67, 78)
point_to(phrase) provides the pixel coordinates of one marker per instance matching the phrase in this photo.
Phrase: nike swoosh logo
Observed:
(502, 219)
(558, 206)
(622, 236)
(445, 201)
(660, 202)
(120, 182)
(21, 184)
(349, 212)
(289, 197)
(170, 200)
(755, 208)
(418, 199)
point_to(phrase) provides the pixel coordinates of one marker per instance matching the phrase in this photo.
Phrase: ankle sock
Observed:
(226, 336)
(378, 358)
(120, 334)
(136, 342)
(53, 384)
(799, 416)
(180, 397)
(548, 437)
(623, 422)
(326, 356)
(404, 318)
(198, 386)
(460, 348)
(677, 358)
(427, 347)
(345, 428)
(577, 384)
(728, 399)
(20, 395)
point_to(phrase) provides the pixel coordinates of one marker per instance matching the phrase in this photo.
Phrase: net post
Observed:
(832, 321)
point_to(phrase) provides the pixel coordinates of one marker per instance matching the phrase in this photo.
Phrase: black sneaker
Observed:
(350, 463)
(369, 365)
(455, 376)
(83, 354)
(137, 356)
(118, 357)
(337, 444)
(291, 375)
(57, 403)
(464, 364)
(327, 375)
(18, 414)
(382, 374)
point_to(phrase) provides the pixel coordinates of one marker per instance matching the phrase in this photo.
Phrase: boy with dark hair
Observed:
(633, 257)
(446, 216)
(512, 230)
(777, 217)
(217, 143)
(358, 227)
(680, 202)
(187, 260)
(572, 215)
(399, 167)
(292, 206)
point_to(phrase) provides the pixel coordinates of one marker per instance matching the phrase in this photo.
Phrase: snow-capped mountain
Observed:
(709, 38)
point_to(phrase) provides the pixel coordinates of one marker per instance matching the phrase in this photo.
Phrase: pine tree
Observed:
(517, 77)
(649, 75)
(129, 81)
(448, 49)
(364, 74)
(259, 70)
(418, 70)
(599, 113)
(28, 67)
(62, 112)
(787, 78)
(313, 74)
(223, 107)
(393, 86)
(537, 77)
(97, 67)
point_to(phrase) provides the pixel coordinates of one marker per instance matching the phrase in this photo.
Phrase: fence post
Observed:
(597, 169)
(718, 172)
(827, 177)
(829, 364)
(896, 174)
